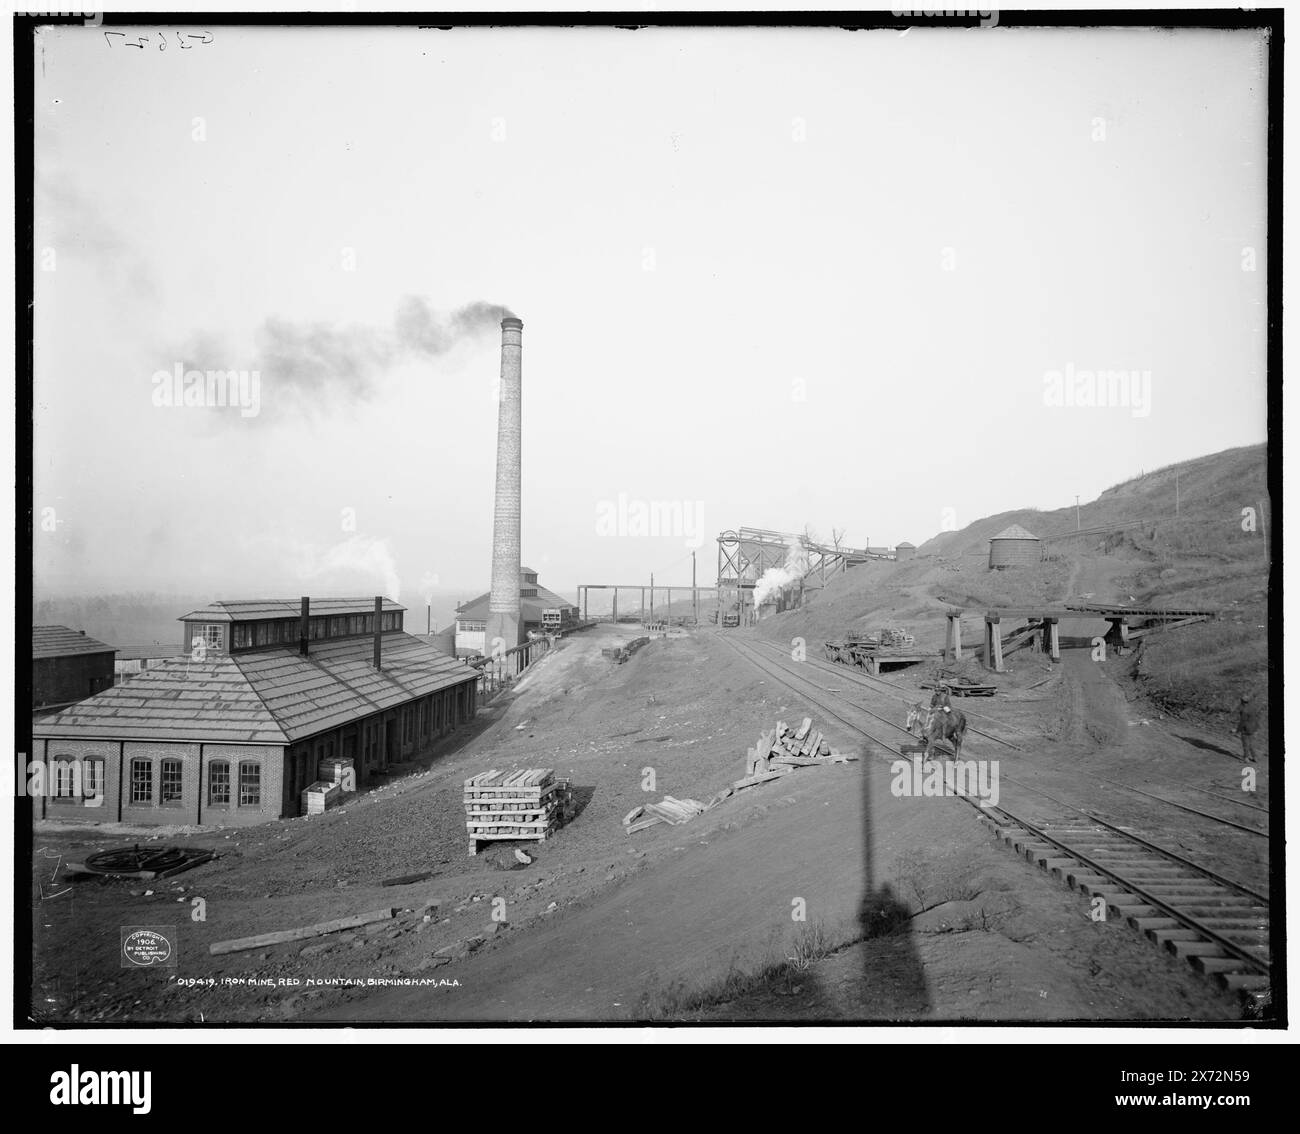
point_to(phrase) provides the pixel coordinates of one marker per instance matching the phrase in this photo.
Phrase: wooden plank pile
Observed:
(778, 752)
(896, 638)
(667, 810)
(528, 804)
(781, 750)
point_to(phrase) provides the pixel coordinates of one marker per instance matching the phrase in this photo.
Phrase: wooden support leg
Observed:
(954, 638)
(993, 644)
(1054, 640)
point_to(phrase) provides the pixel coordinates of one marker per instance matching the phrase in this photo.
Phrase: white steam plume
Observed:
(774, 579)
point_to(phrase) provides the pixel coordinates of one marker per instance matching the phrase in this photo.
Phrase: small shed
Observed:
(68, 666)
(905, 550)
(1014, 547)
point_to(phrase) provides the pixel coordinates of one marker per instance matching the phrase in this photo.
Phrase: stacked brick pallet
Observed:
(527, 804)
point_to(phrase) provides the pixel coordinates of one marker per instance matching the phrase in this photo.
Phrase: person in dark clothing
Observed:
(1247, 726)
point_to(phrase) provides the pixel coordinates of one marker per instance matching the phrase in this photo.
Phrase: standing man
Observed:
(1247, 726)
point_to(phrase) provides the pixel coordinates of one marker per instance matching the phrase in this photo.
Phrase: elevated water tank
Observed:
(1014, 547)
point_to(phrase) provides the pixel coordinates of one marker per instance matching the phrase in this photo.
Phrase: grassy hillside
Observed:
(1184, 504)
(1153, 550)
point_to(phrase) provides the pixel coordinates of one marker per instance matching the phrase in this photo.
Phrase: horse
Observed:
(948, 725)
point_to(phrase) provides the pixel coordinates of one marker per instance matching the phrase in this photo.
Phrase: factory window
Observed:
(472, 625)
(250, 784)
(210, 633)
(141, 781)
(65, 777)
(92, 779)
(219, 783)
(170, 781)
(242, 637)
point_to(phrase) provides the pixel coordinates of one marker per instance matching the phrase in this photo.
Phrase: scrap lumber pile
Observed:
(667, 810)
(891, 637)
(527, 804)
(778, 752)
(620, 654)
(781, 750)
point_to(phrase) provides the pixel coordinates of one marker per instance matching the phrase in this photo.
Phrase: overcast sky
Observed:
(767, 278)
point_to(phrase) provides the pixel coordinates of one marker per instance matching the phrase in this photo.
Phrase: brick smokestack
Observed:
(504, 619)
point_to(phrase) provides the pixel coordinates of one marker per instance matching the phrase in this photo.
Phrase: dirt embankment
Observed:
(600, 925)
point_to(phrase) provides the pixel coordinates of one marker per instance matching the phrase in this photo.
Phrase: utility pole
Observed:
(1076, 514)
(695, 595)
(652, 596)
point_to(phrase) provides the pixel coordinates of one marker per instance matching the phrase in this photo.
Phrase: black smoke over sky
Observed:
(314, 365)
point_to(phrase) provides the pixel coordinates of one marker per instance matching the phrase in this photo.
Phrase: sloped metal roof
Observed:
(1015, 531)
(178, 699)
(249, 610)
(337, 682)
(61, 642)
(271, 696)
(530, 608)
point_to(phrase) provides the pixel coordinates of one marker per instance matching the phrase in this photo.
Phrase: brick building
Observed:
(232, 732)
(534, 601)
(67, 666)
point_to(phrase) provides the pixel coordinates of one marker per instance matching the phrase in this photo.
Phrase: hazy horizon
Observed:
(772, 278)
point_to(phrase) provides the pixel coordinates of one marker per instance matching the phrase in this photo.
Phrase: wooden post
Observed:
(993, 642)
(584, 604)
(1053, 627)
(615, 605)
(954, 637)
(1117, 635)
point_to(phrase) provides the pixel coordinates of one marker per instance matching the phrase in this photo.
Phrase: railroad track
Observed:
(1218, 925)
(869, 683)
